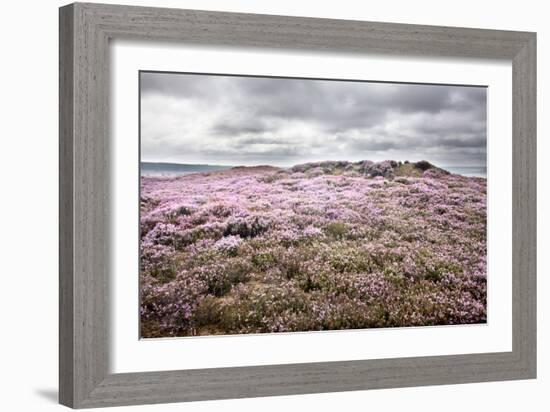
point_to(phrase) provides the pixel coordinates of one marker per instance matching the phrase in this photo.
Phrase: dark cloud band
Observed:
(247, 120)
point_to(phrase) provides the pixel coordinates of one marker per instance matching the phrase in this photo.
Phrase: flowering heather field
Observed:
(330, 245)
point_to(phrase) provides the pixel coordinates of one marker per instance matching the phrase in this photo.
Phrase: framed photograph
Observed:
(256, 205)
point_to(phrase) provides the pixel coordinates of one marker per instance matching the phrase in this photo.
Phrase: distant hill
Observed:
(177, 169)
(388, 169)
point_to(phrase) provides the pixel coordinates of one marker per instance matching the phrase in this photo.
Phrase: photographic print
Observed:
(272, 204)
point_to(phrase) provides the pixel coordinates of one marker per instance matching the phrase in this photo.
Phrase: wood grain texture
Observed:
(66, 229)
(85, 31)
(524, 227)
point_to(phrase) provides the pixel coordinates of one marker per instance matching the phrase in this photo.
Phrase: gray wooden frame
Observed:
(85, 31)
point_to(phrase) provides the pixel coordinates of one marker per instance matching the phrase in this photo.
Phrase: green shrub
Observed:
(208, 312)
(290, 266)
(264, 260)
(337, 230)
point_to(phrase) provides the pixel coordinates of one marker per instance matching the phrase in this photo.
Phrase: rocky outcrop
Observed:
(388, 169)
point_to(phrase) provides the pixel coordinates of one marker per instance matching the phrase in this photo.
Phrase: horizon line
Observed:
(296, 164)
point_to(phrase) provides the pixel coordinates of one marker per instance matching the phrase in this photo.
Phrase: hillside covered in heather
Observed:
(319, 246)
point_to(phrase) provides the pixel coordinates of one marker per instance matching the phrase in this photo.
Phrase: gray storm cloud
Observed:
(232, 120)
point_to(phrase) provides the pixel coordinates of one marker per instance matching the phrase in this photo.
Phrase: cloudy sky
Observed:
(248, 121)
